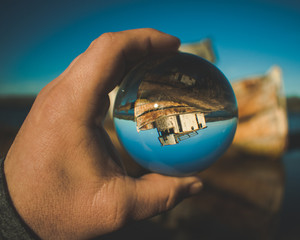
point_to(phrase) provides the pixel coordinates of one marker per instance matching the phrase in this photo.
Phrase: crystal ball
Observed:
(175, 114)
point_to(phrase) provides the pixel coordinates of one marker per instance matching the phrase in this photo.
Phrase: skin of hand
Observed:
(64, 176)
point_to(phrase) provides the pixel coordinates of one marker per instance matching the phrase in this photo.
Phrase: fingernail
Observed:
(195, 188)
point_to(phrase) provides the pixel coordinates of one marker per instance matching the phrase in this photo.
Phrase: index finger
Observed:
(102, 66)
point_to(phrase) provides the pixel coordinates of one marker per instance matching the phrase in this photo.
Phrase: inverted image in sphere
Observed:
(175, 114)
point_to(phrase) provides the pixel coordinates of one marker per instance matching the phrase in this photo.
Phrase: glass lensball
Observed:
(175, 114)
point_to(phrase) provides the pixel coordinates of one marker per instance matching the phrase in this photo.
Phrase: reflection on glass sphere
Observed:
(175, 114)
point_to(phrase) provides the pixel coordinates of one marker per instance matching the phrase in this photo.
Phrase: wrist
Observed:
(12, 226)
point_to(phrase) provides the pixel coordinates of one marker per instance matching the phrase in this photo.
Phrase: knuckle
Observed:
(106, 38)
(45, 90)
(150, 30)
(43, 96)
(104, 41)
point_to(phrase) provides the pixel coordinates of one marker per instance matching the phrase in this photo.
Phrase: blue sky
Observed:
(40, 38)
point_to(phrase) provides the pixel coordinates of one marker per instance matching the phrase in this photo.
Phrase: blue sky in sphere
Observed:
(39, 39)
(190, 155)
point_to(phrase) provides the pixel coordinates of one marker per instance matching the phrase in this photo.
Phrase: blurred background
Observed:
(249, 194)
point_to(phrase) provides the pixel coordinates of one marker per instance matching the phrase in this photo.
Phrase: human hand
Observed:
(64, 176)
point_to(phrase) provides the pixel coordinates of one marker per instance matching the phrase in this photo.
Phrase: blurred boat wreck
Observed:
(263, 125)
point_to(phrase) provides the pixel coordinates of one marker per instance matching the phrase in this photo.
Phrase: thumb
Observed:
(157, 193)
